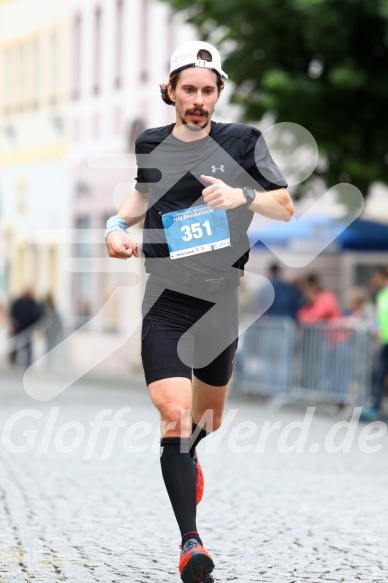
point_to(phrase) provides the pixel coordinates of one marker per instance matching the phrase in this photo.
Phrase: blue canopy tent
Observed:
(361, 235)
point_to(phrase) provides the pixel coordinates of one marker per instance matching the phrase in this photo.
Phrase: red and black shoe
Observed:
(199, 478)
(195, 564)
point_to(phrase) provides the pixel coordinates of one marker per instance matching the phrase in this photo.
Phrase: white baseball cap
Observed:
(188, 55)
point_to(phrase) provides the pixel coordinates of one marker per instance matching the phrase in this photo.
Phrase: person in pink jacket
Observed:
(321, 304)
(324, 342)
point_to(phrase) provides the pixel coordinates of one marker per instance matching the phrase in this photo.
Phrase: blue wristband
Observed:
(115, 223)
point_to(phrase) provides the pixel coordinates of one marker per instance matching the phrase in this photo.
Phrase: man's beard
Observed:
(196, 127)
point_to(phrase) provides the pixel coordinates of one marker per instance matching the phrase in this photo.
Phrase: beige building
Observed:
(34, 185)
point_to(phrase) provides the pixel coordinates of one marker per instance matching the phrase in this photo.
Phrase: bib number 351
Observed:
(196, 230)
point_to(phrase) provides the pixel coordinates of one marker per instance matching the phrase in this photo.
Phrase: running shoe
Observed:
(198, 477)
(195, 564)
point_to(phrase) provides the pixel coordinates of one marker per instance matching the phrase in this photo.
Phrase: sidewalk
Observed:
(94, 378)
(85, 503)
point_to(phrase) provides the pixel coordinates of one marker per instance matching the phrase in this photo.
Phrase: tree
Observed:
(322, 64)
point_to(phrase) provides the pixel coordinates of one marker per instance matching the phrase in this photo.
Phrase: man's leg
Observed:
(15, 348)
(208, 404)
(210, 388)
(173, 397)
(28, 351)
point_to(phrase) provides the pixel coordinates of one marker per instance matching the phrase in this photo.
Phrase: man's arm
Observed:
(274, 204)
(133, 209)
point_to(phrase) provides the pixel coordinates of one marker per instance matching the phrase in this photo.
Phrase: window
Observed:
(13, 68)
(119, 43)
(7, 81)
(77, 54)
(144, 37)
(20, 60)
(97, 50)
(29, 80)
(136, 127)
(36, 73)
(54, 68)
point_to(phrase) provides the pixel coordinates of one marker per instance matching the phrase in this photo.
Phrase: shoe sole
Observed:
(198, 569)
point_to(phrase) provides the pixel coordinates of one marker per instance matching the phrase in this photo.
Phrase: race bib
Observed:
(196, 230)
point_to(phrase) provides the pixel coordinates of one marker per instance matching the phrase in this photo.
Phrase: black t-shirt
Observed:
(169, 171)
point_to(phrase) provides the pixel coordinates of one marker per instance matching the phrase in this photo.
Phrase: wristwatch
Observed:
(249, 194)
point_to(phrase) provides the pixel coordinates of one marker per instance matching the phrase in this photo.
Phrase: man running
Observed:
(198, 185)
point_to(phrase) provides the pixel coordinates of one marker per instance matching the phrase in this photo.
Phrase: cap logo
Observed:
(200, 63)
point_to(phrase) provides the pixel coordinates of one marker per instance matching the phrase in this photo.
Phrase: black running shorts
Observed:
(184, 334)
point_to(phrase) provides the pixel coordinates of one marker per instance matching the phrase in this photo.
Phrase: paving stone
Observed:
(266, 516)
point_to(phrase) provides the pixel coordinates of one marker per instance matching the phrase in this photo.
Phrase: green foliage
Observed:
(319, 63)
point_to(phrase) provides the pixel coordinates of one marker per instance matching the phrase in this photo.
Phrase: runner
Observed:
(198, 185)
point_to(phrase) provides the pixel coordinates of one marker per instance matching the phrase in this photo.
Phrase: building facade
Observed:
(34, 186)
(80, 80)
(120, 53)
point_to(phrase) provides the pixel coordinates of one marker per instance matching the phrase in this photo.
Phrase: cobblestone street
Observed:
(84, 503)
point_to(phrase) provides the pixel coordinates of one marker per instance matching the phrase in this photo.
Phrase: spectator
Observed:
(380, 281)
(361, 311)
(360, 319)
(275, 337)
(25, 313)
(287, 298)
(323, 349)
(320, 304)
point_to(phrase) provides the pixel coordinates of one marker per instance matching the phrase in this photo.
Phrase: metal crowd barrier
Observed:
(322, 362)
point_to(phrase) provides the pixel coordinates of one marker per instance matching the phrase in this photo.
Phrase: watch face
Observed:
(249, 194)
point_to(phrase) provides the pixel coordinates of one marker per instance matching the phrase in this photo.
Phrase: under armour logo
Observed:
(221, 168)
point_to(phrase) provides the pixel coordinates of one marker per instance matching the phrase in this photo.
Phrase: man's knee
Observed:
(172, 398)
(209, 420)
(175, 419)
(216, 423)
(217, 420)
(171, 412)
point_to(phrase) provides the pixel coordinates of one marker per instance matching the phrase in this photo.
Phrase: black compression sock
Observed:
(179, 477)
(197, 434)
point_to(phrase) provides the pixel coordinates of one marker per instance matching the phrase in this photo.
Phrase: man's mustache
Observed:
(198, 112)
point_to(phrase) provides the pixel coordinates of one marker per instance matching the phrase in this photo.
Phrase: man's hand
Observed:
(221, 196)
(121, 246)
